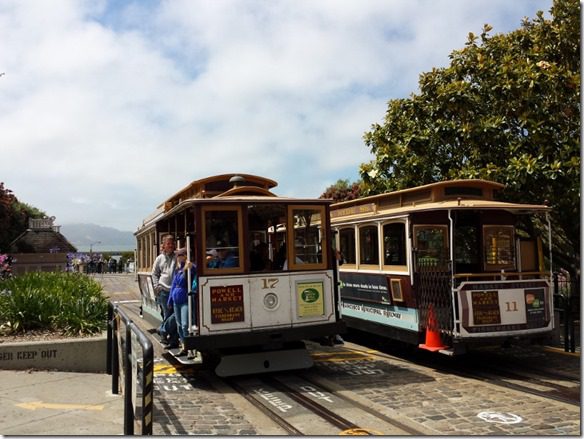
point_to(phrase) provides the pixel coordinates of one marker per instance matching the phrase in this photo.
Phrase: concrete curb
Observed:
(70, 355)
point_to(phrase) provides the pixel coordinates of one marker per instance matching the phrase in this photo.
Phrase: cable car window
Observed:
(431, 243)
(466, 245)
(394, 244)
(222, 239)
(307, 239)
(347, 245)
(368, 245)
(499, 247)
(267, 231)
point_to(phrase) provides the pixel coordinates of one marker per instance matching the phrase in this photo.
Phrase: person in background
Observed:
(212, 259)
(162, 273)
(178, 297)
(112, 265)
(226, 257)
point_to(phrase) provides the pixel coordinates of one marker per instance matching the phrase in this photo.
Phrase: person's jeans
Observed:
(169, 330)
(182, 320)
(162, 300)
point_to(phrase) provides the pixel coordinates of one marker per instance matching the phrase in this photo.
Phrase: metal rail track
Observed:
(303, 406)
(498, 376)
(289, 428)
(309, 377)
(334, 419)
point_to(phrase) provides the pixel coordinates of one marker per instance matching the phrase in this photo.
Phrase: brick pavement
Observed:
(197, 402)
(449, 404)
(188, 401)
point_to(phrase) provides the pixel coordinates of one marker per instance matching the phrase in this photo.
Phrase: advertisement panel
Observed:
(491, 307)
(310, 299)
(370, 287)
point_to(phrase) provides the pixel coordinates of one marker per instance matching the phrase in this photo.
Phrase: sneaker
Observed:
(182, 353)
(194, 328)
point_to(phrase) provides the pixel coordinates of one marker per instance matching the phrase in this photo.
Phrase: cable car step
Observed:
(187, 359)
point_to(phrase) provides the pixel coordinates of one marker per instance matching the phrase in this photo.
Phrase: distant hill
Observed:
(99, 238)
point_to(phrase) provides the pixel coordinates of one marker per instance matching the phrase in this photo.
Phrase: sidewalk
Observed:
(59, 403)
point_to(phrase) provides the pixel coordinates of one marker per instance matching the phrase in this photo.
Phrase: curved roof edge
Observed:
(198, 188)
(488, 184)
(246, 190)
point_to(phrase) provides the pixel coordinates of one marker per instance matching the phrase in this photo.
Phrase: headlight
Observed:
(270, 301)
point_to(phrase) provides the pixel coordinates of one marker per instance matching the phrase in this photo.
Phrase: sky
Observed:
(108, 107)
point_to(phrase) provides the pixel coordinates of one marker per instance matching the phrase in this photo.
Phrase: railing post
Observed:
(147, 390)
(147, 376)
(115, 364)
(572, 332)
(108, 357)
(574, 306)
(128, 407)
(567, 325)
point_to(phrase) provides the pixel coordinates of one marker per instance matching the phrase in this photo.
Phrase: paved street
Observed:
(195, 401)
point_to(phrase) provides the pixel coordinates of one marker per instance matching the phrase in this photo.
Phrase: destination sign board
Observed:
(353, 210)
(227, 304)
(485, 308)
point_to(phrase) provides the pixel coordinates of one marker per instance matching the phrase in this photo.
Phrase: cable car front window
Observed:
(307, 239)
(267, 227)
(499, 247)
(222, 243)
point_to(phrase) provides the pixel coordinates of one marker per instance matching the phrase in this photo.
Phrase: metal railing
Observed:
(567, 301)
(137, 372)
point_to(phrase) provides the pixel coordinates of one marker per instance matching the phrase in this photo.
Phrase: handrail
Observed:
(147, 377)
(505, 274)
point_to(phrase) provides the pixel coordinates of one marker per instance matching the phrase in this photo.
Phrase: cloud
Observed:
(109, 107)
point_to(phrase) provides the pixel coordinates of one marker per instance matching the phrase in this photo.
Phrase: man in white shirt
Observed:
(162, 272)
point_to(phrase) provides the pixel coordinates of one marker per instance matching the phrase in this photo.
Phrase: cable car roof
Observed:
(218, 184)
(452, 194)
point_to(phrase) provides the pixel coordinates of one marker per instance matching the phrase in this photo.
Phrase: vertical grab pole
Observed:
(453, 294)
(189, 288)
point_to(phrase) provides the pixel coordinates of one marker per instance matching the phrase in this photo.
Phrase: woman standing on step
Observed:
(178, 297)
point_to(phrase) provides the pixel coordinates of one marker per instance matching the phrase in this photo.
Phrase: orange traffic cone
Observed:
(433, 340)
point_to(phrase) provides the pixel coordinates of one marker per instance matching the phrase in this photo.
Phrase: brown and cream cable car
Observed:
(266, 273)
(444, 266)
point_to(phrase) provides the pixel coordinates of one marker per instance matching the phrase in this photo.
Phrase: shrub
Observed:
(70, 303)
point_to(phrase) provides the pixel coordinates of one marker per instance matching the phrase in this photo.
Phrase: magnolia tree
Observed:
(507, 109)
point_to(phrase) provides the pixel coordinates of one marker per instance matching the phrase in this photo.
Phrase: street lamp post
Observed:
(91, 253)
(91, 247)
